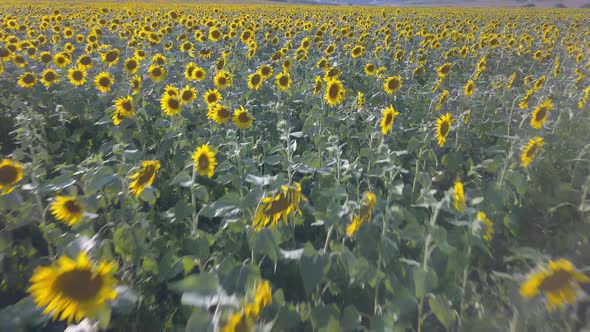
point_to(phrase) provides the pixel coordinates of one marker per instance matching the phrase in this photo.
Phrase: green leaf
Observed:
(266, 242)
(199, 321)
(126, 300)
(204, 283)
(350, 318)
(313, 269)
(424, 281)
(325, 316)
(441, 311)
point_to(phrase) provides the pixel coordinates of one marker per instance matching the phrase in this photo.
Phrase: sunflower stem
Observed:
(194, 201)
(328, 238)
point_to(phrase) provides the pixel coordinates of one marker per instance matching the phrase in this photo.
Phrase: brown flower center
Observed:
(223, 113)
(222, 81)
(265, 71)
(284, 81)
(388, 119)
(541, 114)
(8, 175)
(79, 285)
(444, 128)
(173, 103)
(334, 91)
(157, 72)
(104, 82)
(49, 76)
(73, 206)
(244, 117)
(112, 56)
(127, 106)
(392, 84)
(77, 75)
(203, 162)
(255, 79)
(556, 281)
(29, 79)
(211, 98)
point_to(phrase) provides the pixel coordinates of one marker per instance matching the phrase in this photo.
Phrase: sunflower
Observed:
(61, 60)
(215, 34)
(389, 115)
(393, 84)
(171, 105)
(559, 282)
(67, 209)
(124, 105)
(218, 113)
(104, 81)
(443, 128)
(370, 69)
(489, 225)
(85, 62)
(459, 196)
(144, 177)
(255, 81)
(357, 51)
(188, 95)
(135, 83)
(212, 97)
(157, 73)
(444, 70)
(239, 322)
(204, 160)
(11, 172)
(283, 81)
(262, 298)
(199, 74)
(540, 113)
(469, 88)
(111, 57)
(49, 77)
(77, 76)
(223, 79)
(319, 84)
(360, 98)
(335, 92)
(365, 213)
(27, 80)
(510, 81)
(524, 101)
(77, 288)
(265, 71)
(159, 59)
(533, 147)
(242, 119)
(131, 65)
(280, 206)
(443, 97)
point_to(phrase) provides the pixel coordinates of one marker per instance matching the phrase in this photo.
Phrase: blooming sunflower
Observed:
(357, 51)
(370, 69)
(144, 177)
(459, 196)
(469, 88)
(489, 225)
(49, 77)
(124, 105)
(242, 119)
(188, 95)
(85, 62)
(135, 83)
(559, 282)
(389, 115)
(104, 81)
(393, 84)
(204, 160)
(218, 113)
(27, 80)
(266, 71)
(364, 214)
(239, 322)
(131, 65)
(212, 97)
(533, 147)
(77, 76)
(157, 73)
(171, 105)
(171, 90)
(223, 79)
(335, 92)
(280, 206)
(72, 290)
(283, 81)
(111, 57)
(198, 74)
(444, 70)
(443, 128)
(540, 113)
(11, 172)
(67, 209)
(255, 81)
(319, 84)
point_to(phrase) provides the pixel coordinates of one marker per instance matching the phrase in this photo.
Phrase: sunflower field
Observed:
(266, 167)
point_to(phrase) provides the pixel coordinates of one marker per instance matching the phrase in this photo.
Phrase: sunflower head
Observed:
(170, 104)
(335, 92)
(255, 81)
(534, 146)
(242, 119)
(283, 81)
(212, 97)
(459, 196)
(204, 160)
(389, 114)
(144, 177)
(443, 128)
(72, 290)
(104, 81)
(11, 172)
(188, 95)
(67, 209)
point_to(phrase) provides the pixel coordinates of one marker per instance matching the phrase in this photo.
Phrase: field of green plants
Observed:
(293, 168)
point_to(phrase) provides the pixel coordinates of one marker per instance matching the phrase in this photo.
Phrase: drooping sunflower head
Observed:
(104, 81)
(443, 128)
(444, 70)
(271, 209)
(242, 118)
(393, 84)
(389, 115)
(67, 209)
(212, 97)
(11, 172)
(335, 92)
(72, 290)
(533, 147)
(144, 177)
(488, 225)
(558, 281)
(171, 105)
(283, 81)
(204, 160)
